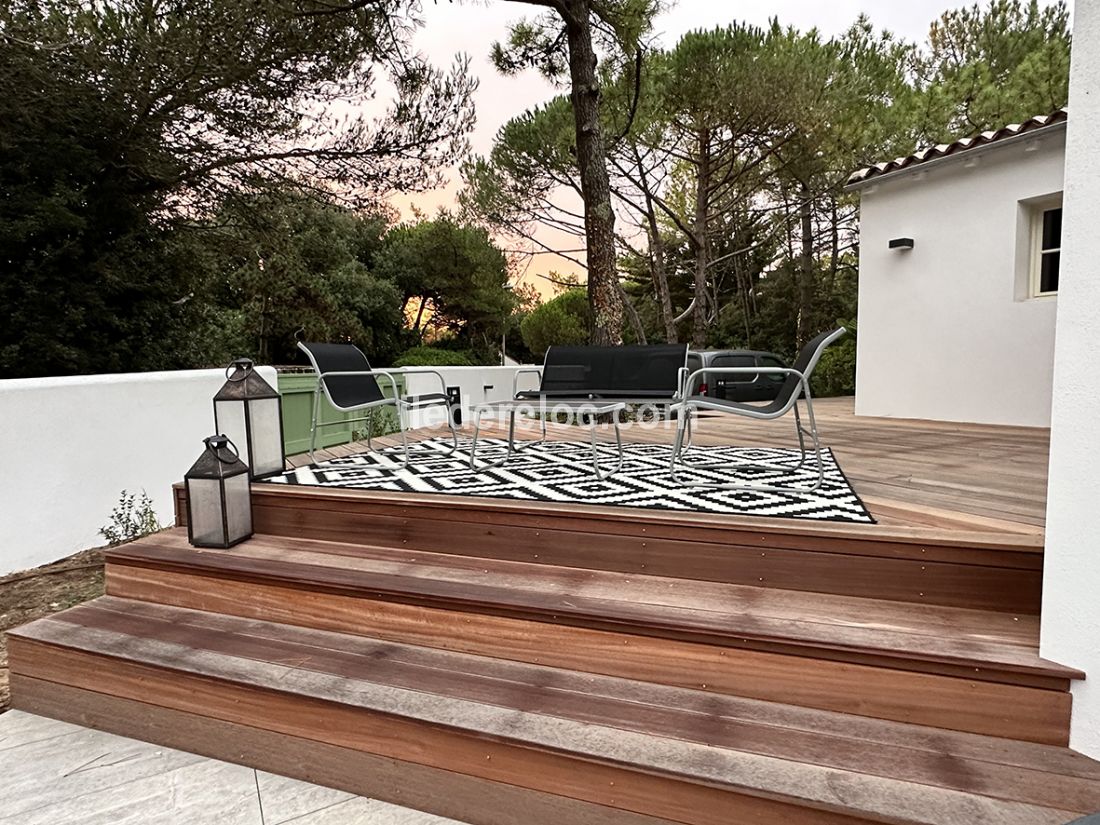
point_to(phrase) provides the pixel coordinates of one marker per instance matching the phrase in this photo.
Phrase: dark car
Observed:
(762, 386)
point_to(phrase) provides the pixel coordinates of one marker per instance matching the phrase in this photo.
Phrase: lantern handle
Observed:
(229, 445)
(242, 365)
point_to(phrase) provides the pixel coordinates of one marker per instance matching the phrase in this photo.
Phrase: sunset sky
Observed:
(471, 27)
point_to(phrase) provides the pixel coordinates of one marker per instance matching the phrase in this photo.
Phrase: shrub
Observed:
(561, 320)
(835, 373)
(131, 519)
(434, 357)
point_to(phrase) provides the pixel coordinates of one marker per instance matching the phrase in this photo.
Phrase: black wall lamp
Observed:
(901, 243)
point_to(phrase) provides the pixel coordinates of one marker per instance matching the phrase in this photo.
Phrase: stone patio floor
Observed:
(54, 773)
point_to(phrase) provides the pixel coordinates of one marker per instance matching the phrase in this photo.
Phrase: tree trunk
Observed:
(657, 269)
(632, 314)
(834, 252)
(660, 277)
(605, 301)
(419, 314)
(699, 228)
(805, 268)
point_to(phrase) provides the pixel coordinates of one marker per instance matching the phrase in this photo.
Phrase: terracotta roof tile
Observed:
(942, 150)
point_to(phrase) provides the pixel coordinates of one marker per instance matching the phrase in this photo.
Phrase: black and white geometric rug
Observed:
(561, 471)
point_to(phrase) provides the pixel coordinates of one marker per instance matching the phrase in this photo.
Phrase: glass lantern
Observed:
(249, 411)
(219, 496)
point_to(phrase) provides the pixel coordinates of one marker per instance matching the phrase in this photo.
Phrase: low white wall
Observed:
(70, 446)
(1071, 571)
(946, 330)
(478, 385)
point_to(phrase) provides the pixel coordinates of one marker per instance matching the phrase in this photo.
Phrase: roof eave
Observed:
(981, 149)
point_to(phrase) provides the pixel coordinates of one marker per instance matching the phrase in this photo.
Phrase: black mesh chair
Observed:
(349, 383)
(796, 387)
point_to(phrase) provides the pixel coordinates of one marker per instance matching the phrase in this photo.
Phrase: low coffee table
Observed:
(589, 407)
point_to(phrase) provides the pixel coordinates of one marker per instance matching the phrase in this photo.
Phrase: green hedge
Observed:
(435, 357)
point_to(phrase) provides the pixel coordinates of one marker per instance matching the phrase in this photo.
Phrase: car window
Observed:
(772, 361)
(734, 361)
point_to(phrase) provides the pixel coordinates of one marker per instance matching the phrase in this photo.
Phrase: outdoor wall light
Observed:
(249, 412)
(901, 243)
(219, 496)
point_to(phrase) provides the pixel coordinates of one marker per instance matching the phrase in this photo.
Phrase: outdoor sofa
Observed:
(590, 382)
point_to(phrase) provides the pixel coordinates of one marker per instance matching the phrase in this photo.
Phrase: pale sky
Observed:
(472, 26)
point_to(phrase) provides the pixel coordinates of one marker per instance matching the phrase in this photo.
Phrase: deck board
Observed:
(970, 637)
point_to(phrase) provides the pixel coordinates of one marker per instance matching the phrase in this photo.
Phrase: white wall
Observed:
(1071, 570)
(945, 330)
(478, 384)
(70, 446)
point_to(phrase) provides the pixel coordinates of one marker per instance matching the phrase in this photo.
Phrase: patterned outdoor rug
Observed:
(561, 471)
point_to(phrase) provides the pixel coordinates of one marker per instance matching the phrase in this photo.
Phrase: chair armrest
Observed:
(529, 370)
(740, 371)
(425, 371)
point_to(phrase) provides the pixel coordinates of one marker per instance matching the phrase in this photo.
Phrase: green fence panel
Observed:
(297, 389)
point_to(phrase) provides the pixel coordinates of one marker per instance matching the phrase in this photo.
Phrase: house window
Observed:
(1046, 248)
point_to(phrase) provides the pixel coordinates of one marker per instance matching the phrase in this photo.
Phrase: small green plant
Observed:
(382, 422)
(131, 519)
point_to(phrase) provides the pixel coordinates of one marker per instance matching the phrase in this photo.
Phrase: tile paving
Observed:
(55, 773)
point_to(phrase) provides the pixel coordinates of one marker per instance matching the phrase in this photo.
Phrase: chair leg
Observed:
(817, 441)
(454, 432)
(370, 429)
(512, 448)
(600, 475)
(313, 424)
(477, 432)
(678, 442)
(401, 416)
(801, 439)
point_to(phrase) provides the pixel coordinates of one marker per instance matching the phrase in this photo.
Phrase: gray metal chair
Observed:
(796, 387)
(349, 383)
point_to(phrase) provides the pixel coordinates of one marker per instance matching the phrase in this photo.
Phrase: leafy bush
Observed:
(562, 320)
(131, 519)
(379, 422)
(434, 357)
(835, 373)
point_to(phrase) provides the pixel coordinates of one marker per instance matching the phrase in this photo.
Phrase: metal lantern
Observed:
(249, 411)
(219, 496)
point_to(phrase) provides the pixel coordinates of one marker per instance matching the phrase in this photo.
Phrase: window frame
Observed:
(1036, 251)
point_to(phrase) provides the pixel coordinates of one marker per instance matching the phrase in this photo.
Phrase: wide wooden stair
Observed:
(501, 662)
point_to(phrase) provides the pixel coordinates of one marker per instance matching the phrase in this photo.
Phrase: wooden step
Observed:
(996, 571)
(968, 670)
(465, 735)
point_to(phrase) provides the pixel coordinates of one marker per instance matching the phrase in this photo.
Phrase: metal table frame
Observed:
(589, 407)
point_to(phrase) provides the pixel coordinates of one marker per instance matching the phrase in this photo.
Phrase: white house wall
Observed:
(1071, 568)
(946, 331)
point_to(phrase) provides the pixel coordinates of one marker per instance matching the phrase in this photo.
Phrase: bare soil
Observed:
(32, 594)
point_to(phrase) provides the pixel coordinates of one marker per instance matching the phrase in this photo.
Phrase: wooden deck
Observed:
(910, 474)
(476, 657)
